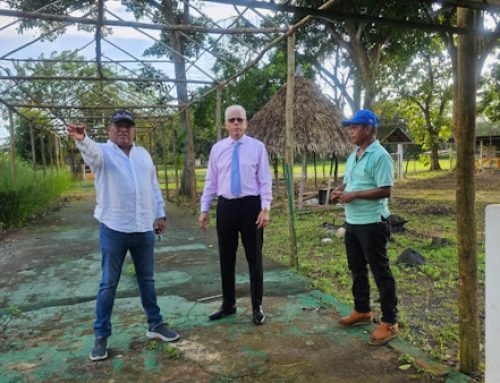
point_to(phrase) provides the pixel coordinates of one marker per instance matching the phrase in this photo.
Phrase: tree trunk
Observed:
(435, 157)
(465, 194)
(178, 44)
(188, 178)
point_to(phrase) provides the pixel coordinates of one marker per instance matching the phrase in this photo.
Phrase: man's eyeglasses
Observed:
(233, 120)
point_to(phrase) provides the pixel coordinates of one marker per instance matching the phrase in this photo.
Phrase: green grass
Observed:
(170, 350)
(28, 192)
(416, 169)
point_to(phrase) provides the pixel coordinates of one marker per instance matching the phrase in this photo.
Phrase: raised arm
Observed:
(90, 151)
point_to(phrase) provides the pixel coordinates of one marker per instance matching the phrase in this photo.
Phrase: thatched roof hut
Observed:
(317, 124)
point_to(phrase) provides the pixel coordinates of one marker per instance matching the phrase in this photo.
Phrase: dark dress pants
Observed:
(367, 245)
(236, 216)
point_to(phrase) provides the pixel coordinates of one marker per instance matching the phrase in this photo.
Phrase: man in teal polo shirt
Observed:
(365, 191)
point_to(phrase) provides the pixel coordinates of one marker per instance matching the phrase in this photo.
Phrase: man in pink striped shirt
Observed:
(238, 174)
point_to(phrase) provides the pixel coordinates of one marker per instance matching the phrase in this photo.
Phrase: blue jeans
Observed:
(114, 247)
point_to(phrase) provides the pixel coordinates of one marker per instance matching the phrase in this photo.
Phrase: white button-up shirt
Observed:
(128, 195)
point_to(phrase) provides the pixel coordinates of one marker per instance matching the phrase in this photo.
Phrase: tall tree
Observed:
(177, 46)
(489, 104)
(468, 53)
(425, 86)
(178, 43)
(366, 46)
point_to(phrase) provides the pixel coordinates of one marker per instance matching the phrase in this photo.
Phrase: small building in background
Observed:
(488, 145)
(394, 136)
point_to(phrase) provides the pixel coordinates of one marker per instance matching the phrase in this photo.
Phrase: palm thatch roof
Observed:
(317, 124)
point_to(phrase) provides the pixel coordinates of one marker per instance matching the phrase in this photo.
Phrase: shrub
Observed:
(29, 193)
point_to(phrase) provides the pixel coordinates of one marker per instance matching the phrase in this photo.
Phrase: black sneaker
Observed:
(258, 315)
(100, 351)
(162, 333)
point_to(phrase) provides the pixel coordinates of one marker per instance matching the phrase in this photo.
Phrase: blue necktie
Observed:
(235, 170)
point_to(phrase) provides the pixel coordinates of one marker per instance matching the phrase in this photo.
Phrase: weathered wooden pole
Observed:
(465, 194)
(50, 148)
(176, 163)
(12, 147)
(276, 175)
(61, 155)
(42, 150)
(33, 149)
(164, 146)
(155, 154)
(191, 159)
(303, 176)
(218, 125)
(56, 151)
(289, 151)
(315, 172)
(481, 155)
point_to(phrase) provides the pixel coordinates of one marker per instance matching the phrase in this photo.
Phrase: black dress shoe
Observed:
(258, 315)
(222, 312)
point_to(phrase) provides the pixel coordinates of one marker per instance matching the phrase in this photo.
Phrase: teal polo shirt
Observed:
(374, 169)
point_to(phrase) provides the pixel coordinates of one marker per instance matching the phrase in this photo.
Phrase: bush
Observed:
(29, 193)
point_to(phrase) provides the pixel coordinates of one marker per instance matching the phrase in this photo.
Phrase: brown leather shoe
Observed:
(383, 334)
(356, 319)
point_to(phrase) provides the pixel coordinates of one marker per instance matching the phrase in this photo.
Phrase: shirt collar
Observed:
(373, 146)
(241, 140)
(109, 142)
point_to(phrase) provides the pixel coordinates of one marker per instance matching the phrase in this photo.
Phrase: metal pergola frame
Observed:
(100, 22)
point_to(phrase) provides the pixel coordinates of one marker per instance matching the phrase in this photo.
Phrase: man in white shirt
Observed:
(129, 208)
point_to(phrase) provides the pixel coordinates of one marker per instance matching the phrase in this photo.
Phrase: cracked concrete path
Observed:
(49, 274)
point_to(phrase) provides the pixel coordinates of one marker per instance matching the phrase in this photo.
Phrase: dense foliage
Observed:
(28, 193)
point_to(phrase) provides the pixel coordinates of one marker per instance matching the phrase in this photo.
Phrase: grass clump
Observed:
(171, 351)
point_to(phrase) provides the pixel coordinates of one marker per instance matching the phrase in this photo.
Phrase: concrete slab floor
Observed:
(49, 274)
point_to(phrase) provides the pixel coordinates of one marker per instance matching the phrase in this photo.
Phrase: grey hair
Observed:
(229, 109)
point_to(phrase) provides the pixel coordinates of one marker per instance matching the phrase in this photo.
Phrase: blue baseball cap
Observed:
(363, 116)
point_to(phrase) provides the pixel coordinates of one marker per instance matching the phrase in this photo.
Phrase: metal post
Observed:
(400, 162)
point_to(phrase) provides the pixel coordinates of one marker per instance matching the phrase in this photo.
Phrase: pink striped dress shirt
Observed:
(255, 174)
